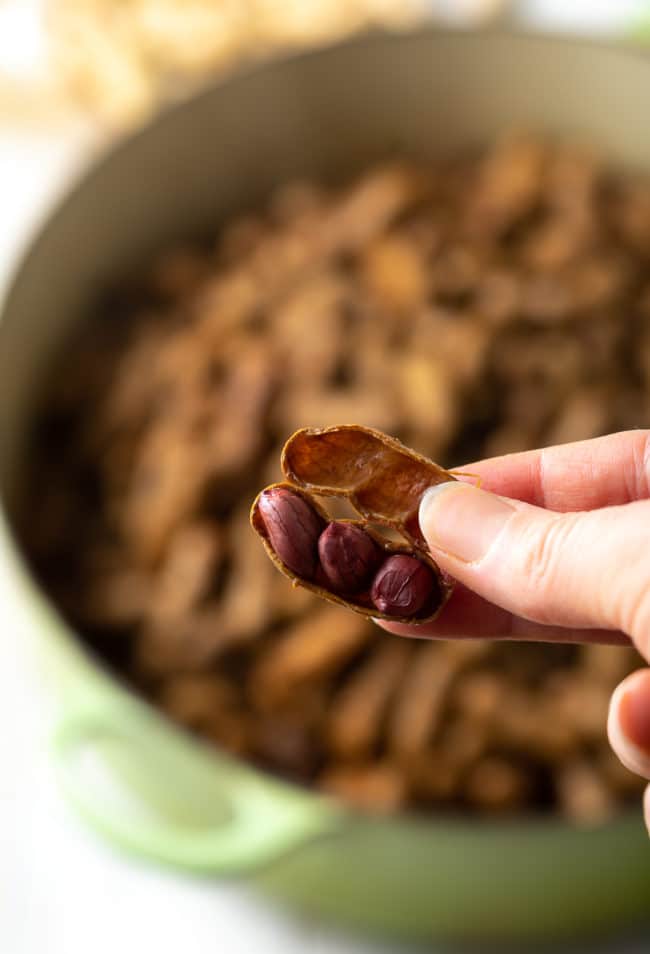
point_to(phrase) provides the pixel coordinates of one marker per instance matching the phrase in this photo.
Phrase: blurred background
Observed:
(76, 75)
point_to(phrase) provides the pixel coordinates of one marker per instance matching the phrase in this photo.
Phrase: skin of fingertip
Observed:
(634, 712)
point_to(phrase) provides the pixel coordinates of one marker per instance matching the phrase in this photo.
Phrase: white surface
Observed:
(598, 16)
(22, 40)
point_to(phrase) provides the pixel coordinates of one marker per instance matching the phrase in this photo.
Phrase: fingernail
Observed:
(634, 712)
(462, 520)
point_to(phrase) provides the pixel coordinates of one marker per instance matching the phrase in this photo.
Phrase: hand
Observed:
(555, 546)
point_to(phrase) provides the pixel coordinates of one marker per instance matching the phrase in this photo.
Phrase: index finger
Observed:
(584, 475)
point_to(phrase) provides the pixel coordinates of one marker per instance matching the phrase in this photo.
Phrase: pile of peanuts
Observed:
(471, 306)
(123, 59)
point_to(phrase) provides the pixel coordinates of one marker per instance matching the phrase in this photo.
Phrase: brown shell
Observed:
(382, 479)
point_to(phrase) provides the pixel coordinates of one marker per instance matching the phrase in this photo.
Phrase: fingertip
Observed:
(628, 722)
(634, 710)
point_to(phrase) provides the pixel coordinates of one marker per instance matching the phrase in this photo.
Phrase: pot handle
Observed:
(158, 794)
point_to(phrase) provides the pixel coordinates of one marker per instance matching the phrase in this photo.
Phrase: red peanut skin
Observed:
(403, 586)
(304, 558)
(349, 557)
(293, 529)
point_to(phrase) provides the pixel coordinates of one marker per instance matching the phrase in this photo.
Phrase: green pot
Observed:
(134, 775)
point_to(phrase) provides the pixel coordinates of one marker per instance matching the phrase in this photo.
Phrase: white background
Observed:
(62, 890)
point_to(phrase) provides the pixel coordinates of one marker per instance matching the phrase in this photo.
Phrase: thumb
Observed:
(567, 569)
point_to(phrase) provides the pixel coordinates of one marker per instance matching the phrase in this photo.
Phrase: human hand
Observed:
(562, 554)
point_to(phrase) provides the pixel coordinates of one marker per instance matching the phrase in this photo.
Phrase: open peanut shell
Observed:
(384, 481)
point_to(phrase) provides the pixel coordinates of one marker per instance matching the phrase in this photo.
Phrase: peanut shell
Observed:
(383, 480)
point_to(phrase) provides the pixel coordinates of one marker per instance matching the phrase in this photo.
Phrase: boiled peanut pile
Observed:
(471, 306)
